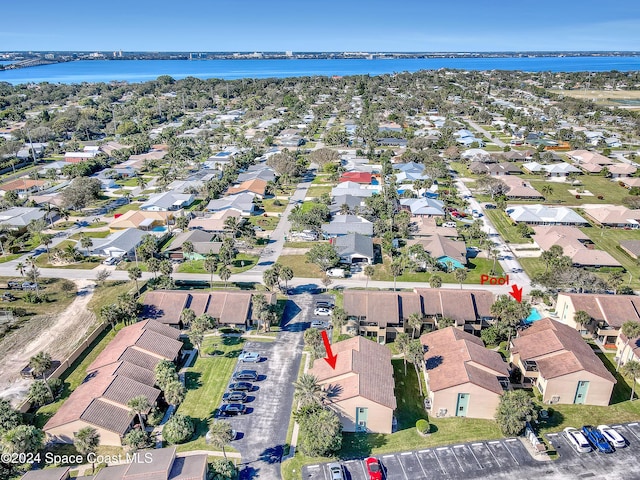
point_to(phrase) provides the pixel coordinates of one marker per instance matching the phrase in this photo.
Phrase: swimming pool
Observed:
(534, 316)
(159, 228)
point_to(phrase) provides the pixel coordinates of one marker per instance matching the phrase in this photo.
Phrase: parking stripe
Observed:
(493, 455)
(421, 467)
(364, 470)
(407, 453)
(631, 430)
(474, 456)
(458, 460)
(439, 463)
(512, 455)
(403, 470)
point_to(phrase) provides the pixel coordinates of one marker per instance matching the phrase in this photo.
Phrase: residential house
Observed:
(564, 368)
(55, 166)
(607, 312)
(158, 464)
(552, 169)
(232, 309)
(143, 220)
(364, 178)
(451, 254)
(353, 189)
(590, 162)
(622, 170)
(55, 473)
(354, 248)
(631, 247)
(23, 186)
(119, 244)
(18, 218)
(519, 189)
(345, 224)
(110, 147)
(392, 142)
(201, 241)
(616, 216)
(215, 223)
(381, 315)
(168, 201)
(242, 203)
(463, 378)
(630, 182)
(122, 371)
(494, 169)
(575, 245)
(423, 207)
(545, 215)
(363, 383)
(79, 157)
(259, 171)
(355, 204)
(257, 187)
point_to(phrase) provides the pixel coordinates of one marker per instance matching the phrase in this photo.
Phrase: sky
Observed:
(321, 25)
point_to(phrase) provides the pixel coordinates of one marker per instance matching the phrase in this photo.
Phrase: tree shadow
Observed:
(232, 341)
(272, 455)
(333, 391)
(358, 445)
(249, 472)
(433, 362)
(192, 380)
(554, 420)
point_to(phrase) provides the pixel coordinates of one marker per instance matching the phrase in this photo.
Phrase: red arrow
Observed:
(516, 293)
(331, 358)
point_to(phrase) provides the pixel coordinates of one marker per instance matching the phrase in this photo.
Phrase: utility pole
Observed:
(33, 152)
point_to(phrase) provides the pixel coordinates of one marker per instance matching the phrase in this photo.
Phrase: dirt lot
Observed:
(609, 97)
(55, 334)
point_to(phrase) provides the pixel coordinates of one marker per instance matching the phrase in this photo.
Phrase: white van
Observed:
(449, 224)
(336, 272)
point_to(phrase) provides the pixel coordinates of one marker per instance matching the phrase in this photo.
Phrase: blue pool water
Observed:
(159, 228)
(533, 316)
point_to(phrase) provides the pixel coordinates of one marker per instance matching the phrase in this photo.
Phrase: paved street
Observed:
(499, 459)
(263, 430)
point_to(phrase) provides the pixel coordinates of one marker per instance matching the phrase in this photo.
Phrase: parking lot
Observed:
(499, 459)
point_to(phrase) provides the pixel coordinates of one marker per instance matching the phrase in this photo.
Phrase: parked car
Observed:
(29, 286)
(595, 438)
(612, 436)
(319, 324)
(229, 409)
(234, 397)
(246, 375)
(449, 224)
(252, 357)
(577, 440)
(374, 469)
(336, 272)
(14, 285)
(323, 304)
(490, 206)
(8, 297)
(241, 386)
(111, 261)
(336, 472)
(321, 311)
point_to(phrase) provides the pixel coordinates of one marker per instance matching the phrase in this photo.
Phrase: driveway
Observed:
(263, 431)
(499, 459)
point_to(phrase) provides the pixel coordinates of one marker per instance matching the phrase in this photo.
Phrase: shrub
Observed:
(277, 203)
(31, 297)
(423, 426)
(155, 417)
(578, 197)
(56, 385)
(600, 197)
(178, 429)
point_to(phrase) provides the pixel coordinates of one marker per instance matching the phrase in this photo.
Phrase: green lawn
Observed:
(608, 239)
(97, 225)
(505, 226)
(10, 256)
(206, 381)
(321, 179)
(302, 244)
(125, 208)
(88, 263)
(476, 267)
(316, 191)
(266, 223)
(57, 299)
(91, 234)
(533, 266)
(242, 263)
(129, 182)
(300, 266)
(596, 184)
(268, 205)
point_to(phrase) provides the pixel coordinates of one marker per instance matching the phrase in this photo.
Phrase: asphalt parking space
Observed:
(466, 457)
(392, 467)
(449, 461)
(355, 470)
(411, 465)
(634, 431)
(484, 455)
(430, 462)
(562, 446)
(502, 453)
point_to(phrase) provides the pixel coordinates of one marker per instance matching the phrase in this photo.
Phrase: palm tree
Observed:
(369, 270)
(139, 405)
(286, 274)
(546, 190)
(220, 434)
(402, 344)
(21, 268)
(134, 274)
(187, 249)
(435, 281)
(494, 253)
(415, 353)
(142, 182)
(307, 391)
(630, 330)
(210, 264)
(631, 369)
(461, 275)
(46, 241)
(86, 441)
(397, 268)
(186, 317)
(86, 243)
(581, 318)
(39, 364)
(225, 274)
(414, 321)
(232, 226)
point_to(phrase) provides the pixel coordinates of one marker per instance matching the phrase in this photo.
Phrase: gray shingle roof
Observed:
(107, 416)
(354, 243)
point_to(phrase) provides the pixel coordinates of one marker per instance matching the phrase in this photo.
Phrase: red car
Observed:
(373, 468)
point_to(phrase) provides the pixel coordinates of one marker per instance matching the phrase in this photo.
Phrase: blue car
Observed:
(596, 439)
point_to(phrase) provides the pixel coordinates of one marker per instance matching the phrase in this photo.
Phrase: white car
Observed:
(449, 224)
(322, 312)
(577, 440)
(317, 324)
(337, 473)
(612, 436)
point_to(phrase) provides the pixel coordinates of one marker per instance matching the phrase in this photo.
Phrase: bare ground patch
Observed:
(56, 334)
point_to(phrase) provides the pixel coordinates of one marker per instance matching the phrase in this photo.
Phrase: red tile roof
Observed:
(357, 177)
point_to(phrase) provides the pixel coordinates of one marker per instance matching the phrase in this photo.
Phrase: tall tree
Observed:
(369, 270)
(135, 273)
(631, 330)
(631, 369)
(86, 441)
(210, 264)
(461, 275)
(516, 407)
(40, 363)
(220, 434)
(402, 344)
(139, 406)
(414, 322)
(435, 281)
(415, 354)
(307, 391)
